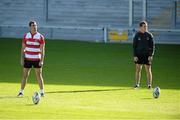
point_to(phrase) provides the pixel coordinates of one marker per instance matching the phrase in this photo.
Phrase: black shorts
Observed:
(30, 64)
(143, 59)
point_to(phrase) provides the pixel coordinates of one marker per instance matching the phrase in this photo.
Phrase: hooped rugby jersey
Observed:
(32, 46)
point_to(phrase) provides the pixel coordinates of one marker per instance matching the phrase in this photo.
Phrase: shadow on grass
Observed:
(7, 97)
(30, 104)
(91, 64)
(79, 91)
(146, 98)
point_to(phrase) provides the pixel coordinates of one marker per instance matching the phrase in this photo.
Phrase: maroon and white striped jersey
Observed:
(32, 46)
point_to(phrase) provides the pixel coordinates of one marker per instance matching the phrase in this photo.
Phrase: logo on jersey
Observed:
(139, 38)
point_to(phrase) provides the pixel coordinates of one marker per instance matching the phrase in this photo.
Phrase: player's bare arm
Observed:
(42, 49)
(22, 54)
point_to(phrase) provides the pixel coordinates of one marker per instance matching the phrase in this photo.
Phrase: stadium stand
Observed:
(90, 20)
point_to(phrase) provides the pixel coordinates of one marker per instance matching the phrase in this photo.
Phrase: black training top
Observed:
(143, 43)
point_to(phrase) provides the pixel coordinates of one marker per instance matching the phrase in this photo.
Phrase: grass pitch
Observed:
(90, 81)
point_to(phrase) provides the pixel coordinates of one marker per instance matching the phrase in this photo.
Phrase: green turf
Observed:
(90, 81)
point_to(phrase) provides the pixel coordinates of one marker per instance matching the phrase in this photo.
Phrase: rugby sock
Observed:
(21, 91)
(42, 91)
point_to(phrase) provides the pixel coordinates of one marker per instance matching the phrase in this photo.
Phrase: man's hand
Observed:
(150, 58)
(41, 63)
(135, 59)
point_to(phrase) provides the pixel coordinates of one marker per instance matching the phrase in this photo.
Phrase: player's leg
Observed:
(40, 80)
(149, 75)
(138, 74)
(26, 72)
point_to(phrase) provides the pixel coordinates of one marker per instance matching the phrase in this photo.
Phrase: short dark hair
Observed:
(142, 23)
(31, 22)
